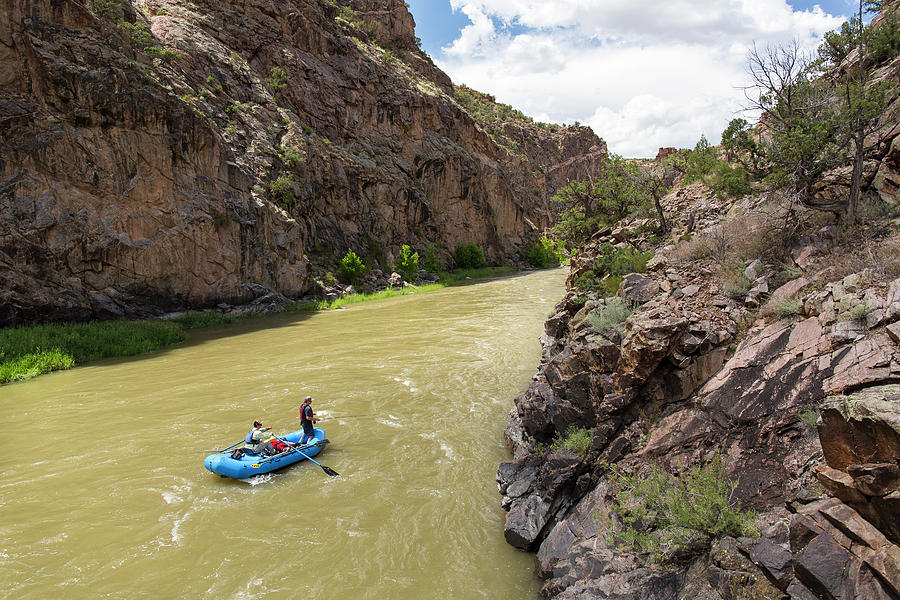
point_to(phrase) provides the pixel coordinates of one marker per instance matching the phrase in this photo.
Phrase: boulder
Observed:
(637, 289)
(863, 427)
(525, 520)
(876, 479)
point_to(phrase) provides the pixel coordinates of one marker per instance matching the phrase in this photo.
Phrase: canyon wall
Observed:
(162, 155)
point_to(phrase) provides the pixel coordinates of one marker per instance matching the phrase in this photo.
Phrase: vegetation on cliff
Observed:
(664, 515)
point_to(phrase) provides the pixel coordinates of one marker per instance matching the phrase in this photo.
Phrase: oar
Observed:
(328, 470)
(239, 443)
(230, 447)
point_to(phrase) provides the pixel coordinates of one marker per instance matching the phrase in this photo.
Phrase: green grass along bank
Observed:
(30, 351)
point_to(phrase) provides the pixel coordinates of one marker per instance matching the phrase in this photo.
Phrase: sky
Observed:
(643, 74)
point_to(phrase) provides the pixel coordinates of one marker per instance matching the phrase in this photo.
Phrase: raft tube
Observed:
(247, 466)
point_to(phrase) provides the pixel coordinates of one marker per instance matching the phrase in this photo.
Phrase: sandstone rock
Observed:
(790, 289)
(892, 302)
(775, 560)
(894, 331)
(152, 178)
(876, 479)
(838, 554)
(657, 262)
(821, 566)
(638, 289)
(840, 485)
(690, 290)
(887, 179)
(863, 427)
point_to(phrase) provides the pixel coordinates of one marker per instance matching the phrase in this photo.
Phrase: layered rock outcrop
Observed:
(694, 372)
(160, 155)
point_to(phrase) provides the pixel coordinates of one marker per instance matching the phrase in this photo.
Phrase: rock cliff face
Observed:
(790, 377)
(158, 155)
(672, 389)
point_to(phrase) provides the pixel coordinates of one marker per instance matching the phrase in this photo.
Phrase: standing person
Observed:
(307, 420)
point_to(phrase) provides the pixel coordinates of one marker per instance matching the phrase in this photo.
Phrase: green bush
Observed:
(164, 54)
(277, 79)
(468, 256)
(536, 256)
(291, 156)
(282, 190)
(661, 513)
(732, 181)
(432, 262)
(545, 252)
(407, 264)
(351, 267)
(587, 281)
(108, 9)
(701, 162)
(884, 41)
(613, 314)
(576, 439)
(621, 261)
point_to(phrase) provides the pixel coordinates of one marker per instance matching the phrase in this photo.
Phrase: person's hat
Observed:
(257, 423)
(308, 399)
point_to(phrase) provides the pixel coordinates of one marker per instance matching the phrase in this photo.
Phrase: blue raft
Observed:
(222, 464)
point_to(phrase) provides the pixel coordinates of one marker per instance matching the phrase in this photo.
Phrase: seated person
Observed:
(256, 444)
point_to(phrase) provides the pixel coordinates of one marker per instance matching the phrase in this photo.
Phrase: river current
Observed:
(103, 493)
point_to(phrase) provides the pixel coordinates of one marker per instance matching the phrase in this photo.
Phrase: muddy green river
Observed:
(103, 493)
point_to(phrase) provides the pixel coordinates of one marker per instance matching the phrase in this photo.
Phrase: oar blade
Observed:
(330, 471)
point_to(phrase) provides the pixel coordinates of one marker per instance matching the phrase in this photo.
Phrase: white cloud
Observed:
(643, 74)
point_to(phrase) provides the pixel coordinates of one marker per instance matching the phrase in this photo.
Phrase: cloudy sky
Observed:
(642, 73)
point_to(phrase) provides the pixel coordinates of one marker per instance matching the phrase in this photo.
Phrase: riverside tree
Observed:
(585, 205)
(815, 110)
(800, 124)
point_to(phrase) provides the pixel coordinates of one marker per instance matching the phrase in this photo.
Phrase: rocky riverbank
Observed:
(790, 377)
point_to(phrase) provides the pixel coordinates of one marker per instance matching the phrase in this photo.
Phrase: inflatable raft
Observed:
(222, 464)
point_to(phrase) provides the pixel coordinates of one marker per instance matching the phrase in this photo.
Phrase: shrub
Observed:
(884, 40)
(609, 286)
(351, 267)
(587, 281)
(108, 9)
(810, 417)
(407, 264)
(701, 162)
(783, 307)
(291, 156)
(164, 54)
(545, 252)
(277, 79)
(468, 256)
(611, 316)
(282, 189)
(576, 439)
(736, 284)
(662, 513)
(621, 261)
(732, 181)
(536, 256)
(432, 262)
